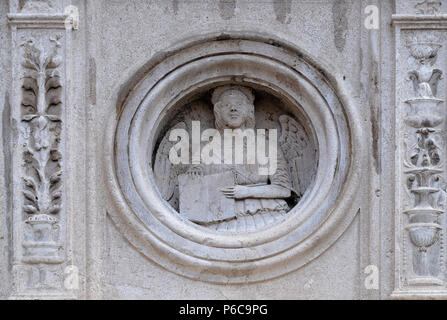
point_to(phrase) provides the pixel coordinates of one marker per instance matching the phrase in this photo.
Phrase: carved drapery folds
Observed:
(420, 158)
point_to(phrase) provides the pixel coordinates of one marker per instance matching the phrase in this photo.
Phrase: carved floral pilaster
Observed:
(41, 109)
(420, 212)
(424, 164)
(41, 218)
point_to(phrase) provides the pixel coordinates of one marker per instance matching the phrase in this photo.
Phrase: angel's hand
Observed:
(195, 171)
(236, 192)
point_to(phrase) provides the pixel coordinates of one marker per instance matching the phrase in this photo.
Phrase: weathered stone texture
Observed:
(91, 89)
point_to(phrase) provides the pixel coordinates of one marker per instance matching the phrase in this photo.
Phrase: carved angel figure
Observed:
(259, 200)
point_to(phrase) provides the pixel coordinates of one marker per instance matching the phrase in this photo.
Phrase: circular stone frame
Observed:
(160, 233)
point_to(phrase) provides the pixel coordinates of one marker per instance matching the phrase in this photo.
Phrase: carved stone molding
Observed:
(41, 236)
(420, 222)
(157, 230)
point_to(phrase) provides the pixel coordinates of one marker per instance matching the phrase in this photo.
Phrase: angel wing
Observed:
(165, 172)
(299, 153)
(433, 82)
(414, 77)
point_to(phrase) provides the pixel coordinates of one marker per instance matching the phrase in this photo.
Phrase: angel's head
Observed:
(234, 107)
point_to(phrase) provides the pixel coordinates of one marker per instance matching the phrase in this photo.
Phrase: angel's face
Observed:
(233, 109)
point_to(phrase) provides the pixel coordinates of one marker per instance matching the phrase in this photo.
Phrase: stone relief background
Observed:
(268, 110)
(115, 40)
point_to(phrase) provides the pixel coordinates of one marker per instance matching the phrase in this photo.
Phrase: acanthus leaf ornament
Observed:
(41, 109)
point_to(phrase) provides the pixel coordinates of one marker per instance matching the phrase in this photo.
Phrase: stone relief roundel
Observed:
(217, 191)
(234, 161)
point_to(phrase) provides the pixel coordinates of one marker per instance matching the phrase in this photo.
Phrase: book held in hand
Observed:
(201, 199)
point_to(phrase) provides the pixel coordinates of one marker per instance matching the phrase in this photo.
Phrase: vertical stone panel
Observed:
(420, 154)
(40, 33)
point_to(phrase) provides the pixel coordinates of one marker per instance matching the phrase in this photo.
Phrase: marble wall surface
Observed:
(91, 203)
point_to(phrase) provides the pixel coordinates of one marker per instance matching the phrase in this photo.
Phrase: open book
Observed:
(202, 201)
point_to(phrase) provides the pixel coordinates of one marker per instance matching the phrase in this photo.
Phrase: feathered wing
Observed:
(414, 77)
(298, 152)
(435, 77)
(165, 172)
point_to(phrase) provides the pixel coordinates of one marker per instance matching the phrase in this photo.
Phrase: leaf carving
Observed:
(41, 110)
(29, 209)
(30, 196)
